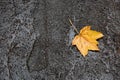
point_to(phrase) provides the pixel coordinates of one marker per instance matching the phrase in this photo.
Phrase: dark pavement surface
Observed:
(35, 40)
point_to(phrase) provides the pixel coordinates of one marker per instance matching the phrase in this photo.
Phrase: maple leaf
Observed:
(87, 40)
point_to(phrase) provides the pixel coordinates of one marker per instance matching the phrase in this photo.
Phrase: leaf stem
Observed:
(73, 26)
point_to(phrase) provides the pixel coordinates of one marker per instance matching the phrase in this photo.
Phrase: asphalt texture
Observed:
(36, 35)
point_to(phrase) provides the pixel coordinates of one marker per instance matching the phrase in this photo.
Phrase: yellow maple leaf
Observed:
(87, 40)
